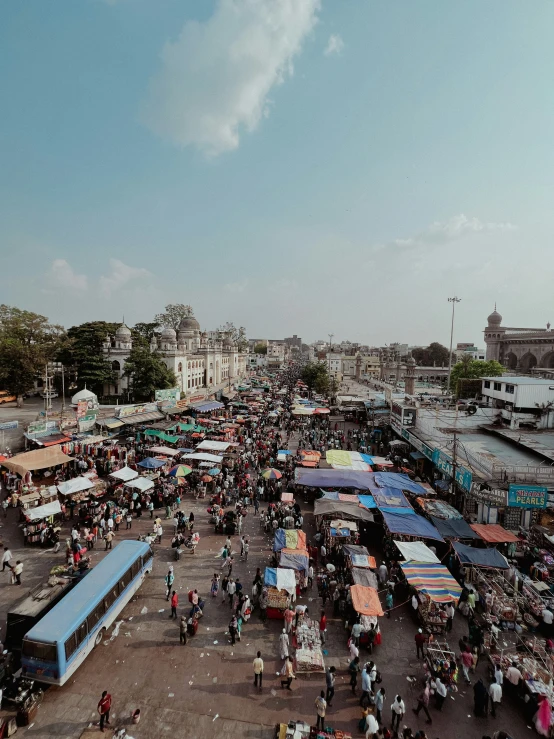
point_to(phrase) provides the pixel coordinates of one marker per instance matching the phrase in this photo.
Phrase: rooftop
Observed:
(520, 380)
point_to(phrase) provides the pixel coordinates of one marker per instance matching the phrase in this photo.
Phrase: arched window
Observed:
(180, 367)
(116, 366)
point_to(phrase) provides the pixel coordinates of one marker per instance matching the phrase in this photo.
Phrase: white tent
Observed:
(204, 457)
(215, 446)
(416, 551)
(44, 511)
(125, 474)
(76, 485)
(141, 483)
(165, 451)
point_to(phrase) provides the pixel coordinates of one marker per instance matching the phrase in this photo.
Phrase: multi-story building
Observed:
(199, 362)
(521, 401)
(520, 349)
(465, 349)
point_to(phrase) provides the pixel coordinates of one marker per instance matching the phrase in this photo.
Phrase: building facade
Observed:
(199, 362)
(520, 349)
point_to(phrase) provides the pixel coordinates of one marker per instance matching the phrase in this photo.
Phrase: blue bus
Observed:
(55, 647)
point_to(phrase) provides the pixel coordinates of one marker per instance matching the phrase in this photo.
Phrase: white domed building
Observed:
(85, 395)
(198, 362)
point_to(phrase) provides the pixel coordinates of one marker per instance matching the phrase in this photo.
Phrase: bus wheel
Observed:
(99, 638)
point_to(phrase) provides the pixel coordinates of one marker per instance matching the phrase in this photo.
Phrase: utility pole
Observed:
(329, 353)
(453, 300)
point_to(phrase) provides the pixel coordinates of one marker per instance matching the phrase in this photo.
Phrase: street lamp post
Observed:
(453, 300)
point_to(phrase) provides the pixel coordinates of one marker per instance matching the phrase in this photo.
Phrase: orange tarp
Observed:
(494, 533)
(366, 600)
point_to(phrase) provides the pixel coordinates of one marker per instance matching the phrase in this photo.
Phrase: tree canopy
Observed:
(472, 369)
(173, 315)
(28, 341)
(82, 354)
(148, 373)
(238, 335)
(316, 377)
(142, 333)
(260, 349)
(434, 355)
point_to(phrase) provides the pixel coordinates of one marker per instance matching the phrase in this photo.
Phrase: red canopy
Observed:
(494, 533)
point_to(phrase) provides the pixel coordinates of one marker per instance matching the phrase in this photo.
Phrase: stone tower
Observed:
(409, 378)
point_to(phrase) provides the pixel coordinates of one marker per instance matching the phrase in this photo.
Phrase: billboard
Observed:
(527, 496)
(125, 411)
(171, 394)
(8, 425)
(82, 407)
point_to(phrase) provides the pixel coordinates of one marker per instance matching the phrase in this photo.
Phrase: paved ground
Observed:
(205, 688)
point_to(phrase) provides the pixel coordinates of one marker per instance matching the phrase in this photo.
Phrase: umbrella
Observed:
(180, 470)
(206, 478)
(151, 464)
(271, 474)
(213, 471)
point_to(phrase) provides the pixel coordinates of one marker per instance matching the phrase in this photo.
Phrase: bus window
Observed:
(82, 632)
(71, 645)
(111, 597)
(135, 569)
(95, 616)
(125, 580)
(40, 651)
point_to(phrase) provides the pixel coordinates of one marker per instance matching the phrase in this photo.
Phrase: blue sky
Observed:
(294, 166)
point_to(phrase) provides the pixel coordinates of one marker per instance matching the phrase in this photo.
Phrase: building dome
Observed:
(123, 332)
(189, 323)
(87, 395)
(495, 319)
(169, 334)
(411, 361)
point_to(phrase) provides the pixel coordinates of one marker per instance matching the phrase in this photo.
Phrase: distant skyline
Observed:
(293, 166)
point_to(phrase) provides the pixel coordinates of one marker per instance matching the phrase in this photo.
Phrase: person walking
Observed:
(183, 630)
(233, 629)
(104, 706)
(379, 704)
(466, 658)
(366, 685)
(289, 675)
(6, 558)
(231, 590)
(423, 703)
(174, 604)
(420, 640)
(398, 710)
(353, 670)
(258, 670)
(371, 726)
(440, 693)
(284, 644)
(108, 537)
(17, 570)
(450, 613)
(389, 601)
(321, 707)
(289, 615)
(495, 694)
(382, 573)
(322, 627)
(330, 682)
(169, 578)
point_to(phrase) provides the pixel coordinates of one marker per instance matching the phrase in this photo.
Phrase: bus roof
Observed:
(67, 615)
(35, 601)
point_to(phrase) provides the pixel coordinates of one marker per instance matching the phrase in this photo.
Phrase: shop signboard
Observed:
(87, 422)
(445, 463)
(39, 427)
(125, 411)
(527, 496)
(168, 396)
(82, 407)
(495, 496)
(8, 425)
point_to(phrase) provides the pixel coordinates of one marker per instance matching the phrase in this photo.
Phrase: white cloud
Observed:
(335, 45)
(236, 287)
(441, 233)
(121, 274)
(62, 275)
(216, 77)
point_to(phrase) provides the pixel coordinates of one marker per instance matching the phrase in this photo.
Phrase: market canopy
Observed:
(297, 559)
(342, 509)
(439, 508)
(454, 528)
(417, 551)
(280, 578)
(367, 501)
(335, 479)
(366, 601)
(364, 576)
(432, 579)
(204, 457)
(214, 446)
(289, 539)
(44, 511)
(39, 459)
(493, 533)
(359, 556)
(141, 483)
(390, 498)
(164, 451)
(207, 406)
(76, 485)
(397, 480)
(410, 525)
(151, 463)
(480, 557)
(124, 474)
(342, 460)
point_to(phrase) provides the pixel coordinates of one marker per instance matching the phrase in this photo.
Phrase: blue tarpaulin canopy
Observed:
(481, 557)
(401, 482)
(297, 559)
(335, 479)
(332, 495)
(410, 525)
(390, 497)
(280, 578)
(402, 511)
(206, 406)
(454, 528)
(367, 501)
(152, 464)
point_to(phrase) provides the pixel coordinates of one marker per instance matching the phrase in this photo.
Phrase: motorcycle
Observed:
(192, 541)
(22, 692)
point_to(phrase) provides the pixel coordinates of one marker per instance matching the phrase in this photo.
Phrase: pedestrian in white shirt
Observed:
(354, 651)
(495, 693)
(398, 710)
(6, 559)
(498, 675)
(372, 727)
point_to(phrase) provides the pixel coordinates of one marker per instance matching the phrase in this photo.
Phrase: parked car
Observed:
(5, 397)
(49, 394)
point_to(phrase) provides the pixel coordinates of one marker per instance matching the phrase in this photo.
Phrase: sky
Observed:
(293, 166)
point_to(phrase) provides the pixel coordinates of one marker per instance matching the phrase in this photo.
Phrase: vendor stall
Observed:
(436, 587)
(40, 521)
(358, 556)
(281, 586)
(365, 601)
(289, 539)
(308, 655)
(125, 474)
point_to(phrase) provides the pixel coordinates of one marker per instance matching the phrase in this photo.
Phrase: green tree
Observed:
(316, 377)
(142, 333)
(260, 349)
(27, 342)
(434, 355)
(81, 354)
(473, 369)
(148, 373)
(238, 335)
(173, 315)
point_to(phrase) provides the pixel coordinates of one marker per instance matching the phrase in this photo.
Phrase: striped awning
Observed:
(432, 579)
